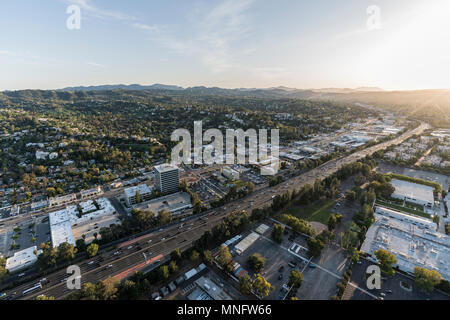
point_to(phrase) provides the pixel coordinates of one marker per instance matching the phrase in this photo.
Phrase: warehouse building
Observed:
(230, 173)
(246, 243)
(414, 241)
(22, 259)
(412, 192)
(175, 203)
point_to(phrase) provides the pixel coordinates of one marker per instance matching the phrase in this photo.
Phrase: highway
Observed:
(131, 256)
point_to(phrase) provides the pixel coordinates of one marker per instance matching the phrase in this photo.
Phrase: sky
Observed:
(395, 45)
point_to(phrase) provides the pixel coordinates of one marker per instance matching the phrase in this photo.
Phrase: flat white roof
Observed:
(142, 189)
(22, 259)
(413, 241)
(173, 203)
(61, 221)
(246, 242)
(413, 190)
(165, 167)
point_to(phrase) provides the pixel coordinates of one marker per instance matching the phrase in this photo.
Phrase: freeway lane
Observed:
(130, 259)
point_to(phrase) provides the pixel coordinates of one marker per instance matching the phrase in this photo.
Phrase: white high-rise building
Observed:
(167, 178)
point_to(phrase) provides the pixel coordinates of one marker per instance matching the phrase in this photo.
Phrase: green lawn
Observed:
(411, 211)
(320, 211)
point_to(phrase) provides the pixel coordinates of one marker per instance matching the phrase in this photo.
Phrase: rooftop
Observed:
(172, 203)
(165, 168)
(413, 241)
(413, 190)
(22, 258)
(142, 189)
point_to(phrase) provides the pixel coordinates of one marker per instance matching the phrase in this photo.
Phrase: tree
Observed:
(256, 262)
(138, 197)
(296, 279)
(81, 245)
(315, 247)
(164, 217)
(353, 254)
(173, 267)
(3, 271)
(44, 297)
(261, 286)
(48, 256)
(92, 250)
(426, 279)
(277, 232)
(386, 260)
(332, 222)
(66, 251)
(163, 272)
(245, 284)
(207, 257)
(176, 255)
(194, 256)
(224, 257)
(128, 290)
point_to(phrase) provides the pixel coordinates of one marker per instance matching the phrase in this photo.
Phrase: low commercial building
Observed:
(207, 289)
(414, 241)
(39, 205)
(230, 173)
(133, 193)
(246, 243)
(88, 212)
(22, 259)
(59, 201)
(91, 192)
(175, 203)
(412, 192)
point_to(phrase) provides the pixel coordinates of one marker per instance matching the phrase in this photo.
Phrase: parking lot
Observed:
(275, 257)
(443, 180)
(320, 278)
(40, 231)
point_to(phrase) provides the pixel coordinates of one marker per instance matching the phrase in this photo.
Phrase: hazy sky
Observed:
(230, 43)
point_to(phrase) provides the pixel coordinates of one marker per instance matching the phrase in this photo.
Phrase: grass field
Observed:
(403, 209)
(319, 211)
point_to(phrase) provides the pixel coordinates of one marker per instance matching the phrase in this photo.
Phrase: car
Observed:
(130, 247)
(2, 295)
(162, 239)
(281, 269)
(383, 294)
(149, 241)
(21, 275)
(359, 262)
(280, 276)
(116, 253)
(389, 291)
(91, 262)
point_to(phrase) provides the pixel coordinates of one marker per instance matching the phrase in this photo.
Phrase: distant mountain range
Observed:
(430, 105)
(280, 89)
(136, 87)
